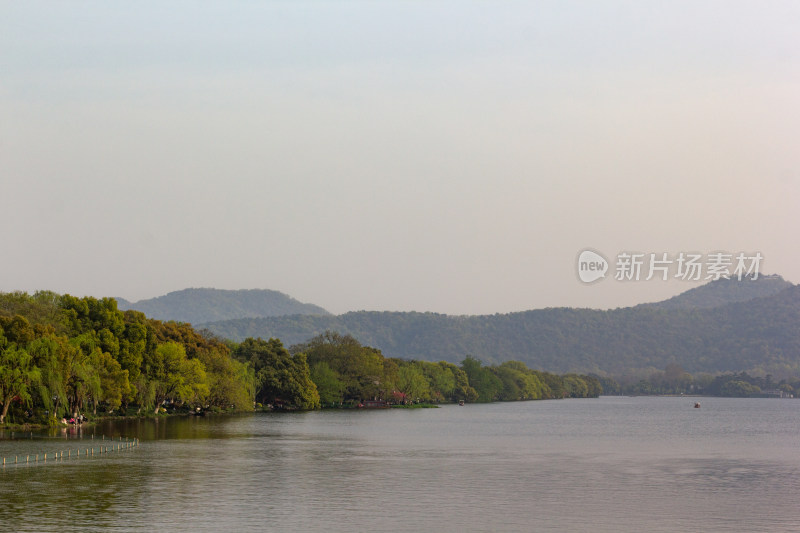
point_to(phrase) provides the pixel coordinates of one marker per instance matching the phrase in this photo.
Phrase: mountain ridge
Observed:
(723, 291)
(200, 305)
(761, 332)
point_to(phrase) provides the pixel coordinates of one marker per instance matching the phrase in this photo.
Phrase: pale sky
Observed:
(447, 156)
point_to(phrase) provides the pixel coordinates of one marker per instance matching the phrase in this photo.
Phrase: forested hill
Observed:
(759, 334)
(724, 291)
(196, 306)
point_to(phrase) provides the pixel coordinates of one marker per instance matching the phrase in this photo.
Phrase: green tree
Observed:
(411, 381)
(739, 389)
(329, 386)
(462, 389)
(281, 378)
(175, 377)
(575, 386)
(113, 380)
(17, 375)
(554, 384)
(441, 379)
(486, 384)
(360, 368)
(17, 330)
(82, 382)
(230, 382)
(47, 356)
(519, 382)
(133, 344)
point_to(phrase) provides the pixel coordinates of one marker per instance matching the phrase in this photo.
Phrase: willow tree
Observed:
(17, 375)
(174, 376)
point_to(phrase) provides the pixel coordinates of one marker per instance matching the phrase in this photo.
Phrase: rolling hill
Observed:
(197, 306)
(761, 333)
(724, 291)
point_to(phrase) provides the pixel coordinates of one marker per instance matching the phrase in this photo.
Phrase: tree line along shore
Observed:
(62, 356)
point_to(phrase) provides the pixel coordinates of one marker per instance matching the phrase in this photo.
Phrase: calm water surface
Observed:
(610, 464)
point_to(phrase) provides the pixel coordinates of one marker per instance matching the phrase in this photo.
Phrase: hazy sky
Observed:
(447, 156)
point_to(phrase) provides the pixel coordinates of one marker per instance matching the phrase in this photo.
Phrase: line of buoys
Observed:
(125, 444)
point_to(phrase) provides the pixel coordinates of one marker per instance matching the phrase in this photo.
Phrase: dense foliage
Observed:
(345, 371)
(759, 336)
(61, 356)
(674, 380)
(281, 378)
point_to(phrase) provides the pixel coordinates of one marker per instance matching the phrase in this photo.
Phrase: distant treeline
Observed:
(61, 355)
(344, 370)
(675, 380)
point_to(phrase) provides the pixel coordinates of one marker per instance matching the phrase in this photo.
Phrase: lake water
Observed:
(609, 464)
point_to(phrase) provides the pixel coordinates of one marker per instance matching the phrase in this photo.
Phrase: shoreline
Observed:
(106, 418)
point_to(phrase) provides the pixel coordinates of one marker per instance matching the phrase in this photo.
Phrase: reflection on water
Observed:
(613, 464)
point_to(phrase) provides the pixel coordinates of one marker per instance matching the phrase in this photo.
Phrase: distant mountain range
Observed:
(724, 291)
(197, 306)
(725, 325)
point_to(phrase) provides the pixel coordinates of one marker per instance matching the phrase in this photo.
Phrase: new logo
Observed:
(591, 266)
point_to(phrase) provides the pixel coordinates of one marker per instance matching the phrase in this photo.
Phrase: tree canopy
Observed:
(62, 355)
